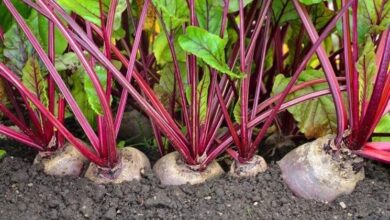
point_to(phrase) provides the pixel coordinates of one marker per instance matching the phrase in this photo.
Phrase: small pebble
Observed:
(30, 185)
(255, 203)
(342, 204)
(207, 197)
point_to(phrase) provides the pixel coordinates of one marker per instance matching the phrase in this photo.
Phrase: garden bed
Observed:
(27, 193)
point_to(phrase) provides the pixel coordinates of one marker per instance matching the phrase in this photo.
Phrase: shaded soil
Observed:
(27, 193)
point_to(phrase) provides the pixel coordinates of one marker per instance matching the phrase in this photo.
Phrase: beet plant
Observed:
(109, 164)
(204, 86)
(255, 89)
(331, 165)
(203, 95)
(204, 72)
(206, 107)
(32, 127)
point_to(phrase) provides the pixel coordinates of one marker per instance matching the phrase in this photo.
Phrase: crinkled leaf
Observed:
(33, 79)
(316, 117)
(16, 50)
(90, 90)
(163, 53)
(208, 47)
(366, 66)
(67, 61)
(209, 14)
(174, 12)
(383, 126)
(203, 92)
(70, 61)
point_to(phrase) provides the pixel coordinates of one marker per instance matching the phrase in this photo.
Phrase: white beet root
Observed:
(314, 171)
(171, 170)
(131, 166)
(253, 167)
(67, 161)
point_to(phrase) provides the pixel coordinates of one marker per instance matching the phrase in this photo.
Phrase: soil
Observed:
(27, 193)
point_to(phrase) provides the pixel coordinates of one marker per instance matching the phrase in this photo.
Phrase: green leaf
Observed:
(3, 153)
(120, 8)
(373, 17)
(90, 90)
(162, 52)
(67, 61)
(209, 14)
(366, 66)
(208, 47)
(203, 91)
(316, 117)
(121, 144)
(234, 5)
(33, 79)
(6, 19)
(165, 86)
(60, 42)
(237, 111)
(79, 94)
(90, 10)
(174, 12)
(311, 2)
(383, 126)
(17, 49)
(70, 61)
(283, 11)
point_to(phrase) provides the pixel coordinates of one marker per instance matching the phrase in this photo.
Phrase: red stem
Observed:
(379, 91)
(260, 118)
(11, 77)
(22, 138)
(169, 127)
(327, 67)
(107, 115)
(51, 85)
(350, 73)
(57, 78)
(299, 70)
(244, 99)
